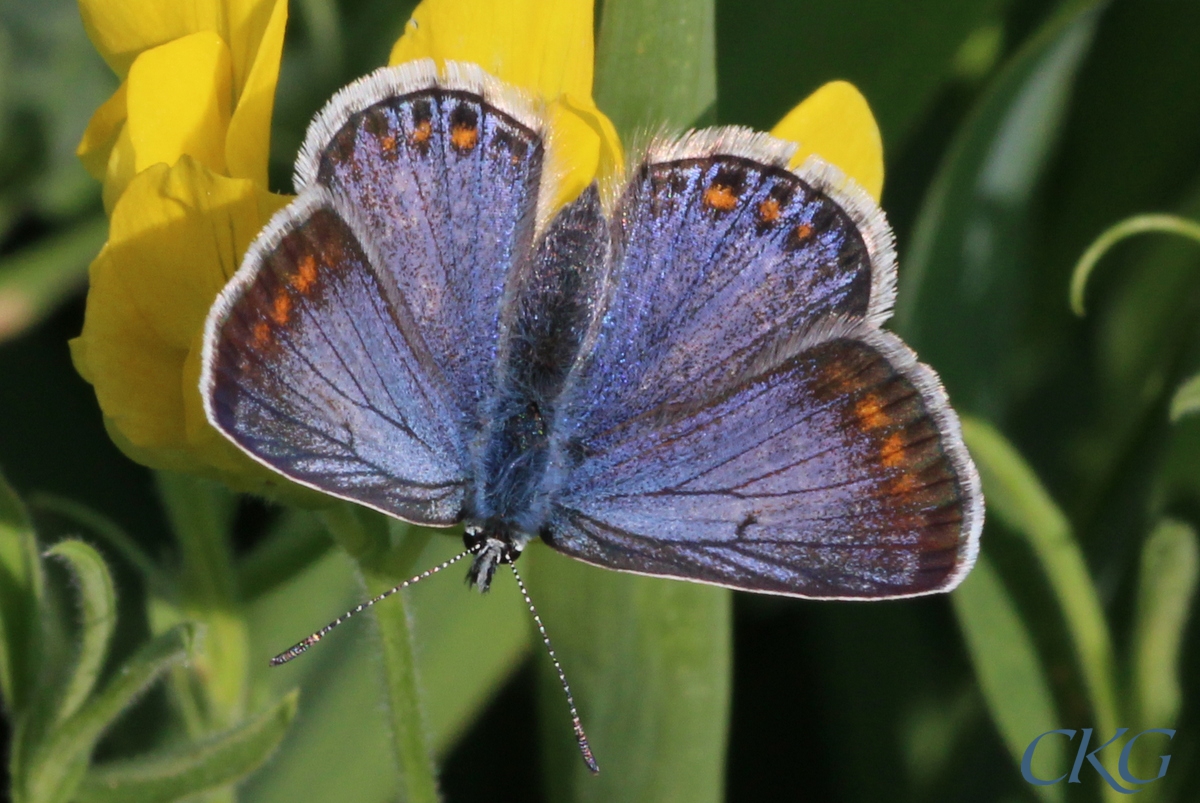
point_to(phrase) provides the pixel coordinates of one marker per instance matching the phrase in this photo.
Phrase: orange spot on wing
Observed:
(720, 197)
(262, 333)
(306, 274)
(464, 137)
(768, 211)
(892, 452)
(904, 484)
(422, 132)
(870, 412)
(388, 143)
(282, 308)
(802, 232)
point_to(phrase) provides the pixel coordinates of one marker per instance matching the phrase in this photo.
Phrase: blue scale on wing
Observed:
(717, 261)
(447, 187)
(825, 476)
(315, 374)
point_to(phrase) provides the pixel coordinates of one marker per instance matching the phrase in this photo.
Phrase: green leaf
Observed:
(966, 272)
(1138, 224)
(1010, 672)
(648, 661)
(34, 281)
(21, 588)
(468, 644)
(1186, 400)
(773, 53)
(1166, 586)
(1016, 497)
(56, 766)
(200, 512)
(413, 754)
(211, 764)
(655, 63)
(98, 602)
(106, 529)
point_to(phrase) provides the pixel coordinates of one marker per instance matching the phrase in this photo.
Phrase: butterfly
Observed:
(684, 376)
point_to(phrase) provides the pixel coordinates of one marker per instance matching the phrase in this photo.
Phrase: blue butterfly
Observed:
(686, 380)
(681, 377)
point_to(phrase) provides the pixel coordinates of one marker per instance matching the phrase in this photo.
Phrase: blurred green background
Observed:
(1015, 133)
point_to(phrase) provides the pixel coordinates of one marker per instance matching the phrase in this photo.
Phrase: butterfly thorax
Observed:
(507, 506)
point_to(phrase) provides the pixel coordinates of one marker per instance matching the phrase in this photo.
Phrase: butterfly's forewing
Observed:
(758, 430)
(446, 180)
(718, 257)
(353, 347)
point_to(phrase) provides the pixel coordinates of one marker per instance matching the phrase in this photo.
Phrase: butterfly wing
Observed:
(720, 254)
(353, 348)
(741, 420)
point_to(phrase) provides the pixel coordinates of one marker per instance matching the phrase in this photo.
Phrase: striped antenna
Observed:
(580, 736)
(284, 657)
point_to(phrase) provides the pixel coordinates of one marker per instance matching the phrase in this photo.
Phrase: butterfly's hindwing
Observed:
(314, 373)
(838, 473)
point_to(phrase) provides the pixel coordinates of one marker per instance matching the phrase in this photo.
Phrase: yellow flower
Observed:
(543, 46)
(182, 149)
(198, 78)
(836, 124)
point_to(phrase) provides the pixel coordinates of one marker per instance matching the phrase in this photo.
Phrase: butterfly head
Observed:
(492, 542)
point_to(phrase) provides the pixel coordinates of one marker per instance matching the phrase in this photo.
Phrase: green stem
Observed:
(216, 685)
(366, 535)
(410, 737)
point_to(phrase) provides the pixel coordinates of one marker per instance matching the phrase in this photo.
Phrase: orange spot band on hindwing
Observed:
(282, 308)
(892, 452)
(306, 274)
(262, 333)
(870, 412)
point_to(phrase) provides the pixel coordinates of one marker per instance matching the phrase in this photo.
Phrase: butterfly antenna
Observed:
(580, 736)
(284, 657)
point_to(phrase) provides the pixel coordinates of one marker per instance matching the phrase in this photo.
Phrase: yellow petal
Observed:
(250, 27)
(177, 234)
(122, 165)
(122, 30)
(836, 124)
(248, 141)
(179, 102)
(545, 46)
(582, 146)
(101, 134)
